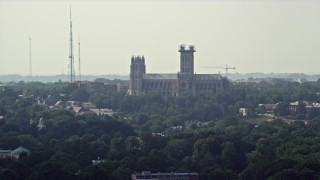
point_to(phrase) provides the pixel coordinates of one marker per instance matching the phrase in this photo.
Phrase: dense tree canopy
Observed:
(201, 134)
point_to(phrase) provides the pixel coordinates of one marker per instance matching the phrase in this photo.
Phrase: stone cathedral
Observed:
(183, 82)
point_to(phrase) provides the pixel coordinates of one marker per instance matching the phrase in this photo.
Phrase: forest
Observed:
(203, 134)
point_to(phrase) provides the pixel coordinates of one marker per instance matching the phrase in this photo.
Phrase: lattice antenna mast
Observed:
(30, 58)
(71, 57)
(79, 58)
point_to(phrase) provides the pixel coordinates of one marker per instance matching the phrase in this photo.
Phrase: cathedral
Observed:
(183, 82)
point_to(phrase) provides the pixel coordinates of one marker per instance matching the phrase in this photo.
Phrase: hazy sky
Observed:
(252, 35)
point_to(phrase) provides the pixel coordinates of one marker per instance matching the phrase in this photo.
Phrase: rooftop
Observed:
(160, 76)
(207, 76)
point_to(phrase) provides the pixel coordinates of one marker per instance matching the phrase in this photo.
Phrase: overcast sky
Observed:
(254, 36)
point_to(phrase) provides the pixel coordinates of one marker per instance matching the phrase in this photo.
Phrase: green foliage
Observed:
(8, 174)
(182, 134)
(282, 109)
(81, 94)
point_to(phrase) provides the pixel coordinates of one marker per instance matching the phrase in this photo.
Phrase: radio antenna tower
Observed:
(30, 58)
(79, 58)
(71, 57)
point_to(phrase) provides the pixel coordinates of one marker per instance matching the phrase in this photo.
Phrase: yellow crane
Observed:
(226, 68)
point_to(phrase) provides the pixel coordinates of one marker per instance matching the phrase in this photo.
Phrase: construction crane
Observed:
(226, 68)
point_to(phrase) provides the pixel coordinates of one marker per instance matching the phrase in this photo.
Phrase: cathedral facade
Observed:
(183, 82)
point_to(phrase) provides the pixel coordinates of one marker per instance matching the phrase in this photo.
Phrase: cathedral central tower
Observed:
(186, 60)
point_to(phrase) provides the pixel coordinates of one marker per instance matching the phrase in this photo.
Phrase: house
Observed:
(5, 153)
(147, 175)
(41, 124)
(243, 111)
(313, 106)
(158, 134)
(179, 128)
(72, 103)
(268, 108)
(19, 151)
(81, 110)
(60, 104)
(89, 105)
(102, 111)
(294, 105)
(45, 101)
(97, 161)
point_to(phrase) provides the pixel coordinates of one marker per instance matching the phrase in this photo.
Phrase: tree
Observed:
(301, 108)
(48, 170)
(282, 109)
(81, 94)
(312, 113)
(132, 143)
(8, 174)
(179, 148)
(229, 156)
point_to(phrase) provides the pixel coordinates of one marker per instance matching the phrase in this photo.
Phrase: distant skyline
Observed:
(251, 35)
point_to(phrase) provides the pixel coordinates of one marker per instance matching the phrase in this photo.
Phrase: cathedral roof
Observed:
(207, 77)
(160, 76)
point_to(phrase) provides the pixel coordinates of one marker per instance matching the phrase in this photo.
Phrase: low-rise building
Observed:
(313, 106)
(243, 111)
(100, 87)
(5, 153)
(97, 161)
(89, 105)
(19, 151)
(268, 108)
(102, 111)
(147, 175)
